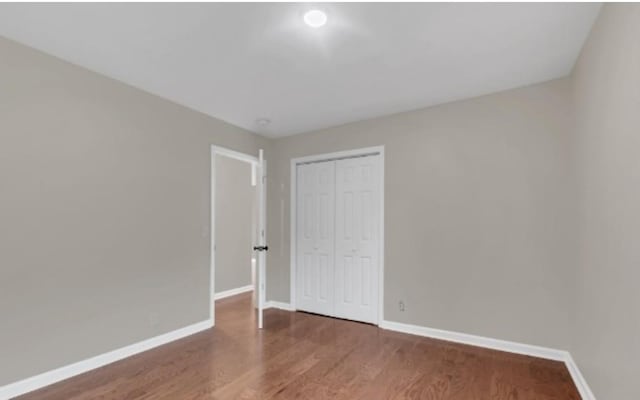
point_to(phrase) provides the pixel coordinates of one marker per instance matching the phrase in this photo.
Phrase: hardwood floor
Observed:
(304, 356)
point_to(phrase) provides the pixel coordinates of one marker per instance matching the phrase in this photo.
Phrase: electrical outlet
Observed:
(401, 306)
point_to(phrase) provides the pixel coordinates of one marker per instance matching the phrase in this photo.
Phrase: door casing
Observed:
(255, 163)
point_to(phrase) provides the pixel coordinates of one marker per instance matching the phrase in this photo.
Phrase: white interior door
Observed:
(315, 237)
(357, 238)
(261, 247)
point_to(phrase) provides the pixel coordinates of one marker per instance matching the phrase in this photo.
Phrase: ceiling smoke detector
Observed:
(263, 122)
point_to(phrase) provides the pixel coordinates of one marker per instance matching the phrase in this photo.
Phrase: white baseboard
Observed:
(233, 292)
(501, 345)
(480, 341)
(279, 305)
(578, 379)
(59, 374)
(47, 378)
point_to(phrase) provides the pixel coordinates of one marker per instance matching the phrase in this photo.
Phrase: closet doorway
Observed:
(337, 234)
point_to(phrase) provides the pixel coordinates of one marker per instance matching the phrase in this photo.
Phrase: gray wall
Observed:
(234, 223)
(505, 217)
(104, 212)
(607, 100)
(476, 212)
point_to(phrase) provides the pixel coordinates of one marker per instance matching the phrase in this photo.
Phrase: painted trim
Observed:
(293, 189)
(338, 154)
(473, 340)
(501, 345)
(382, 240)
(212, 238)
(293, 210)
(71, 370)
(279, 305)
(578, 379)
(222, 151)
(45, 379)
(232, 292)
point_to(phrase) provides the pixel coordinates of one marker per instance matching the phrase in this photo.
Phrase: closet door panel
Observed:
(315, 237)
(356, 248)
(305, 239)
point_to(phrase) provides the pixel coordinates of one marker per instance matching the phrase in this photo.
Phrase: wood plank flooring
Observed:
(304, 356)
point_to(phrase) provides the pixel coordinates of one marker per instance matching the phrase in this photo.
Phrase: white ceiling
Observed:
(240, 62)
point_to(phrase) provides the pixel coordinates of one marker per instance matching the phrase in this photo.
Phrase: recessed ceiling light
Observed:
(315, 18)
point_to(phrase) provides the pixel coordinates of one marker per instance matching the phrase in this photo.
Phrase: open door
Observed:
(261, 247)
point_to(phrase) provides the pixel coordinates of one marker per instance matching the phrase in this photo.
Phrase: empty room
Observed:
(435, 201)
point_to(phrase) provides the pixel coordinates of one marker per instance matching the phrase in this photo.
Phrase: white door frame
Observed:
(222, 151)
(377, 150)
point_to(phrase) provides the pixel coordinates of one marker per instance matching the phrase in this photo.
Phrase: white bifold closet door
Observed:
(315, 237)
(338, 238)
(356, 244)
